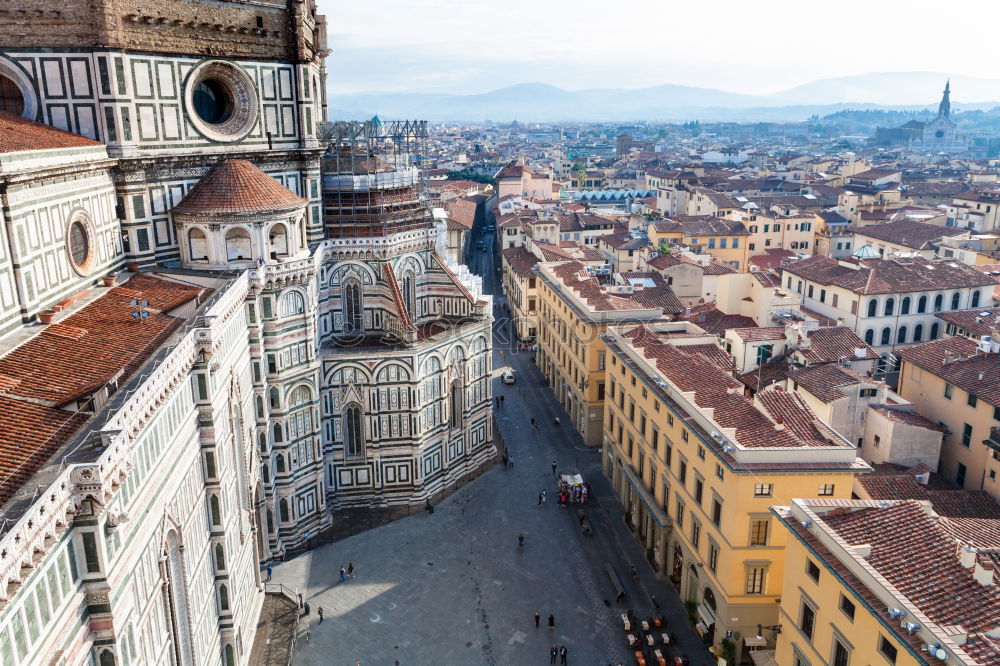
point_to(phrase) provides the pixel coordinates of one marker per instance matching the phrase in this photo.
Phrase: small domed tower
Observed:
(238, 217)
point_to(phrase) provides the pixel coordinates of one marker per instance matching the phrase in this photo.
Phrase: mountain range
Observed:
(541, 102)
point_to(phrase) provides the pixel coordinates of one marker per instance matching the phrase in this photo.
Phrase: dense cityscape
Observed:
(278, 387)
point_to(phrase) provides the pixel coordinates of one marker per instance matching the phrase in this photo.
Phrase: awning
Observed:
(573, 479)
(755, 641)
(655, 510)
(706, 615)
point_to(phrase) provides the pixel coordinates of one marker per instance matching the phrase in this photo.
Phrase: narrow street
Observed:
(452, 587)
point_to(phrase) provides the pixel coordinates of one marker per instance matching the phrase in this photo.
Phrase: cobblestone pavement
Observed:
(452, 587)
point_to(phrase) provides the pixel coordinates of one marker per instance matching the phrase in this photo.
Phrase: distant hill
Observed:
(542, 102)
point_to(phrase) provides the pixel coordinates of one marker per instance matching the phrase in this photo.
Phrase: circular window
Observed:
(11, 99)
(80, 243)
(221, 101)
(939, 133)
(212, 102)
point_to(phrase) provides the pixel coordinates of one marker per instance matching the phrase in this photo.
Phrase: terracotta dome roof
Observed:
(236, 187)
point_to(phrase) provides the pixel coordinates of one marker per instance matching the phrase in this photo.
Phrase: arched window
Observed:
(238, 245)
(277, 241)
(279, 463)
(922, 304)
(270, 522)
(353, 308)
(260, 407)
(274, 397)
(410, 295)
(872, 307)
(292, 303)
(197, 245)
(901, 336)
(11, 99)
(709, 598)
(262, 442)
(276, 431)
(175, 593)
(353, 431)
(974, 302)
(955, 298)
(886, 335)
(107, 658)
(870, 336)
(283, 510)
(223, 597)
(938, 302)
(935, 330)
(890, 305)
(301, 396)
(265, 473)
(457, 404)
(220, 558)
(213, 506)
(904, 306)
(230, 659)
(918, 332)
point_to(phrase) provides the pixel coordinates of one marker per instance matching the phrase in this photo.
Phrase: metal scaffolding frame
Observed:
(372, 182)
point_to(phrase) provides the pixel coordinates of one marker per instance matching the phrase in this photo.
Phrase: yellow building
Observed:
(882, 582)
(795, 231)
(953, 381)
(576, 305)
(520, 288)
(726, 240)
(697, 465)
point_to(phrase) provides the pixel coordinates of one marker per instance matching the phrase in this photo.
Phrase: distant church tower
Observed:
(944, 108)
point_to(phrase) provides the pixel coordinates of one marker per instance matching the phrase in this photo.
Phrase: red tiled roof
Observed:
(713, 320)
(101, 343)
(759, 334)
(973, 321)
(916, 235)
(888, 276)
(833, 343)
(927, 571)
(715, 388)
(966, 369)
(237, 186)
(574, 276)
(91, 347)
(521, 261)
(18, 133)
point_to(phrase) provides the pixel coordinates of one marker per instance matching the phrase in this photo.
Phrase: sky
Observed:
(745, 46)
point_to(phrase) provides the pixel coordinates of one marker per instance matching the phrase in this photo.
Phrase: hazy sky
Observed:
(748, 46)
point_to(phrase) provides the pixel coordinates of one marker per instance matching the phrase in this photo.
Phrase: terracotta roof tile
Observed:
(237, 186)
(888, 276)
(957, 361)
(17, 134)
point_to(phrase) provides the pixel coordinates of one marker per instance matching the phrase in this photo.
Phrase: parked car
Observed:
(507, 377)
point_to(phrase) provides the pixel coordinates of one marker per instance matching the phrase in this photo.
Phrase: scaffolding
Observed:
(372, 182)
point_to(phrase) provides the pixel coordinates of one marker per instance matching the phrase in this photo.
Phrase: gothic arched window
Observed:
(353, 308)
(974, 303)
(292, 303)
(353, 431)
(457, 404)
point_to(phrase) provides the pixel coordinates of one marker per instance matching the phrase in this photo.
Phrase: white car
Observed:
(507, 377)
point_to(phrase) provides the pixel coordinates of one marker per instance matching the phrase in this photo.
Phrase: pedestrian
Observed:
(505, 460)
(540, 500)
(319, 611)
(552, 622)
(350, 569)
(543, 497)
(501, 400)
(553, 653)
(342, 573)
(268, 575)
(562, 654)
(538, 619)
(510, 462)
(532, 421)
(554, 467)
(308, 636)
(497, 401)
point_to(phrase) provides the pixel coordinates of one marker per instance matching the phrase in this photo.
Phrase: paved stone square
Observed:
(453, 588)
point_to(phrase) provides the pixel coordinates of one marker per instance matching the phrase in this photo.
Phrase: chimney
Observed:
(983, 572)
(862, 550)
(967, 555)
(779, 424)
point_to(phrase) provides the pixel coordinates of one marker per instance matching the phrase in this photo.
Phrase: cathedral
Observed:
(939, 135)
(225, 325)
